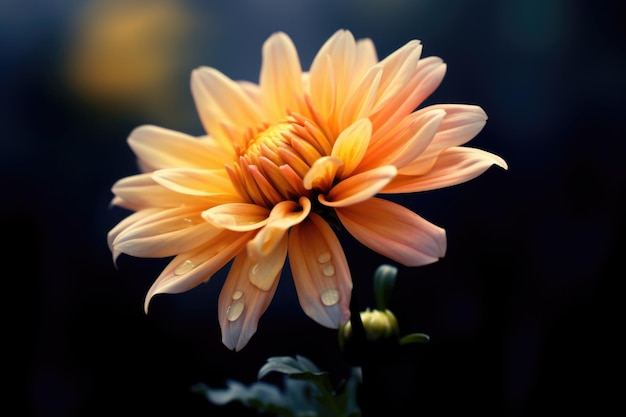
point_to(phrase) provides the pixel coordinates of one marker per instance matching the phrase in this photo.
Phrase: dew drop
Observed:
(188, 222)
(329, 270)
(330, 297)
(224, 219)
(254, 271)
(235, 310)
(324, 257)
(183, 268)
(237, 295)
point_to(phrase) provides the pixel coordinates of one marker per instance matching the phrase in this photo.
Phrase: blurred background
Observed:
(523, 312)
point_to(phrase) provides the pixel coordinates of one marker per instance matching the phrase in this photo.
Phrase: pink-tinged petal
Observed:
(283, 216)
(222, 102)
(241, 303)
(123, 225)
(322, 173)
(461, 123)
(238, 217)
(454, 166)
(351, 145)
(360, 102)
(405, 142)
(265, 268)
(394, 231)
(281, 77)
(165, 233)
(200, 182)
(365, 57)
(320, 272)
(141, 191)
(252, 90)
(192, 268)
(359, 187)
(426, 78)
(160, 148)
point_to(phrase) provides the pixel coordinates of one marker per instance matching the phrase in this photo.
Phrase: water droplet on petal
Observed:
(254, 271)
(329, 270)
(235, 310)
(188, 222)
(237, 295)
(185, 267)
(224, 219)
(324, 257)
(330, 297)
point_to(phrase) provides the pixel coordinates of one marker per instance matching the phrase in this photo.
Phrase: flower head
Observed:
(283, 162)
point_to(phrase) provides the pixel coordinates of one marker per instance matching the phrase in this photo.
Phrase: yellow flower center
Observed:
(276, 158)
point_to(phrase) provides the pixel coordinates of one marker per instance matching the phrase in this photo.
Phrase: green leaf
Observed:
(414, 338)
(384, 280)
(288, 365)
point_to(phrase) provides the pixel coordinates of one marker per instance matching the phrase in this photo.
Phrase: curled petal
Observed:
(239, 217)
(164, 233)
(359, 187)
(241, 303)
(394, 231)
(284, 215)
(320, 272)
(454, 166)
(190, 269)
(322, 173)
(160, 148)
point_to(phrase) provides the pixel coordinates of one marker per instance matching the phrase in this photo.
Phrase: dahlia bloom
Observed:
(286, 160)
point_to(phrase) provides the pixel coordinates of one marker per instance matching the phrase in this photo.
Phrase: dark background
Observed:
(523, 313)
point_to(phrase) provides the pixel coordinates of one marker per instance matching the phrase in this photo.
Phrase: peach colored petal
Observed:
(192, 181)
(221, 102)
(266, 268)
(322, 173)
(426, 78)
(238, 217)
(351, 145)
(160, 148)
(123, 224)
(461, 123)
(359, 187)
(320, 272)
(454, 166)
(281, 77)
(165, 233)
(283, 216)
(141, 191)
(360, 102)
(241, 304)
(189, 269)
(394, 231)
(405, 142)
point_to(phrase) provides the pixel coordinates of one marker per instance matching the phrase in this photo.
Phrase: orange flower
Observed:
(284, 162)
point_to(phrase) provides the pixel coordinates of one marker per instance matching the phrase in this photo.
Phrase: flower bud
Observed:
(380, 326)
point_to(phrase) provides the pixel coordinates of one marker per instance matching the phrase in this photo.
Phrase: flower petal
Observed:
(241, 303)
(283, 216)
(160, 148)
(125, 223)
(221, 102)
(461, 123)
(320, 272)
(238, 217)
(394, 231)
(192, 181)
(454, 166)
(137, 192)
(405, 142)
(322, 173)
(281, 77)
(165, 233)
(352, 144)
(190, 269)
(359, 187)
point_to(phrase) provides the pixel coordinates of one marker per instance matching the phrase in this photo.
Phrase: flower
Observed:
(283, 162)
